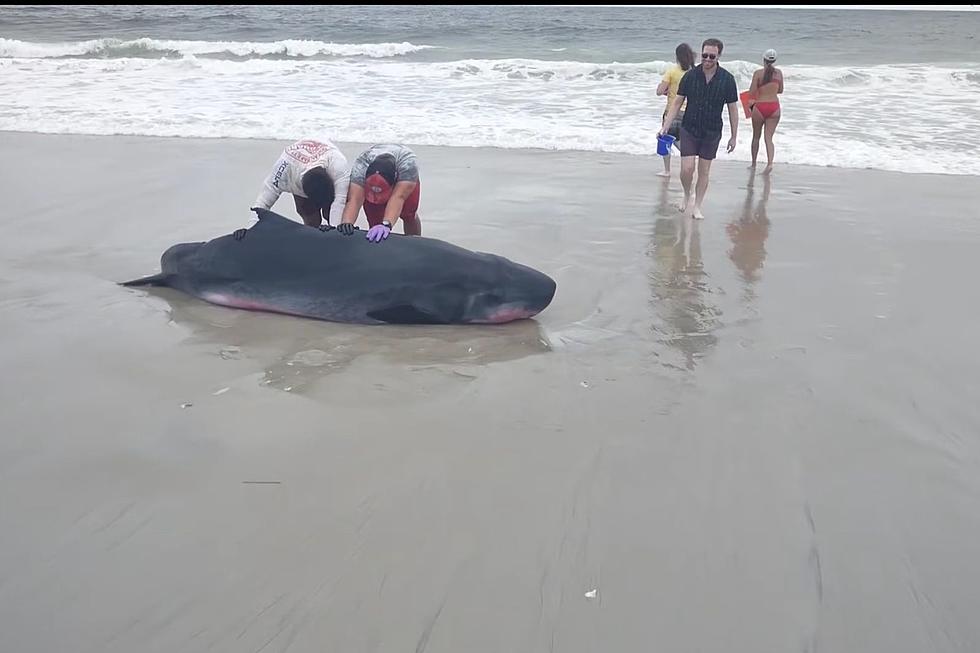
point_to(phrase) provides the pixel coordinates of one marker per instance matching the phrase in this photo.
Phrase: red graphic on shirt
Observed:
(306, 152)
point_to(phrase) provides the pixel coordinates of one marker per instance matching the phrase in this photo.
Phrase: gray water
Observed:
(824, 36)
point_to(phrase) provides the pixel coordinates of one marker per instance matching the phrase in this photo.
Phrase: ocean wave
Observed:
(146, 47)
(840, 116)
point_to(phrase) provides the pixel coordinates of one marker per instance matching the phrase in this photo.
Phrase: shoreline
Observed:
(356, 147)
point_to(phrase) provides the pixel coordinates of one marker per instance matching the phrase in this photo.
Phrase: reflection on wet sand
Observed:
(680, 290)
(748, 233)
(296, 352)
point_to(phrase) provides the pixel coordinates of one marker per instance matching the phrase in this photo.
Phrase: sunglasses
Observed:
(708, 55)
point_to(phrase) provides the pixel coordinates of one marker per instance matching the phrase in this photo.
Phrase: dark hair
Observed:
(318, 186)
(715, 42)
(384, 165)
(770, 70)
(685, 56)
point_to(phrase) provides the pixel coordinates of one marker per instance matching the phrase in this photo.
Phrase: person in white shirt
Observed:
(317, 175)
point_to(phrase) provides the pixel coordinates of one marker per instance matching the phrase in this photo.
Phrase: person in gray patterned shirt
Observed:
(384, 180)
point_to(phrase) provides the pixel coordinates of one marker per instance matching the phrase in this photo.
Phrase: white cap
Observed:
(770, 55)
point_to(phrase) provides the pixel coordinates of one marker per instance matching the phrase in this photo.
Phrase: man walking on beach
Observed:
(707, 88)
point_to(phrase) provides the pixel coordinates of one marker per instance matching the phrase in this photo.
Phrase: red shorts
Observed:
(376, 212)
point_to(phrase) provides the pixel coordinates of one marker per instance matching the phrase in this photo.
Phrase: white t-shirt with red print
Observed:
(296, 160)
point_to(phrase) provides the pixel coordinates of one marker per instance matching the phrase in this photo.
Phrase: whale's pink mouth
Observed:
(501, 315)
(237, 302)
(508, 314)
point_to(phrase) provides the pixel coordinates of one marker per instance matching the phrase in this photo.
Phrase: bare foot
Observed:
(687, 206)
(665, 173)
(697, 213)
(767, 170)
(752, 166)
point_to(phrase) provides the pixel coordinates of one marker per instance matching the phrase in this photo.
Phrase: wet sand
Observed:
(755, 433)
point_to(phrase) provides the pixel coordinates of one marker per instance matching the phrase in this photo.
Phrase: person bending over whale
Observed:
(316, 174)
(384, 180)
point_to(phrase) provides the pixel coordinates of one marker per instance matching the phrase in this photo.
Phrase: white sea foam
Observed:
(910, 118)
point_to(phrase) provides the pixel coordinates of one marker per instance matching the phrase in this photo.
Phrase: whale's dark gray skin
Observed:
(283, 266)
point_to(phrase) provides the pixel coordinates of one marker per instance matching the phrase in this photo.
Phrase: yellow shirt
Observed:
(673, 78)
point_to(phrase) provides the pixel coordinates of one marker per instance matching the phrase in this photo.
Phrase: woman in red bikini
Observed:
(767, 84)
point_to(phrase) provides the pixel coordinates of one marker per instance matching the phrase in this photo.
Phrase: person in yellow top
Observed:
(668, 86)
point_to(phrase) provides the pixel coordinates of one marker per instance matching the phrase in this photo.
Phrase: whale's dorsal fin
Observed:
(266, 216)
(152, 280)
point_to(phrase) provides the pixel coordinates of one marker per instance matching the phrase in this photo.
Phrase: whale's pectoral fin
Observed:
(443, 305)
(404, 314)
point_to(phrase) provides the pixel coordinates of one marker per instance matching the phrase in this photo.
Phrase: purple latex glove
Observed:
(378, 232)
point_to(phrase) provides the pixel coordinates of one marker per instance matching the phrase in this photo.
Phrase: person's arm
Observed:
(265, 200)
(732, 100)
(753, 89)
(733, 123)
(780, 73)
(270, 193)
(355, 200)
(664, 84)
(399, 194)
(341, 189)
(671, 114)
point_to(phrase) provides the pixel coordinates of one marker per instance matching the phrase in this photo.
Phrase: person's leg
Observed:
(757, 123)
(689, 152)
(708, 150)
(307, 210)
(413, 225)
(666, 172)
(410, 212)
(771, 123)
(704, 169)
(687, 181)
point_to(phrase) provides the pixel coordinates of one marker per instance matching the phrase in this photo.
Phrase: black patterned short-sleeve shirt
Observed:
(705, 101)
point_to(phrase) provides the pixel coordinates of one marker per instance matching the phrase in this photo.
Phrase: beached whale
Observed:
(283, 266)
